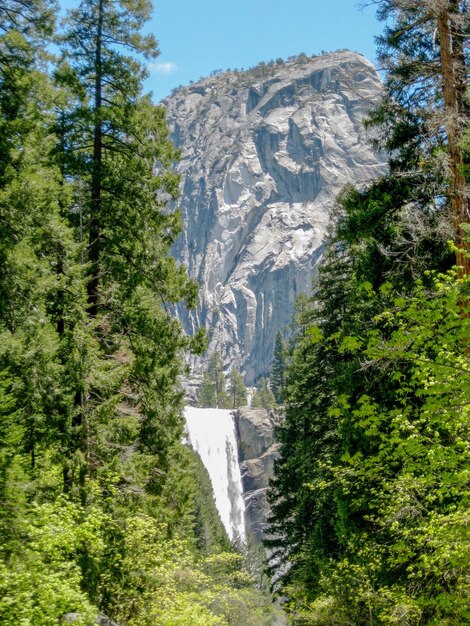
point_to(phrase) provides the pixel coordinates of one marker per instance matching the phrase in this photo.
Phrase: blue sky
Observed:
(198, 36)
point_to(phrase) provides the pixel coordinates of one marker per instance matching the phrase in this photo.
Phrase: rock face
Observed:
(264, 154)
(257, 452)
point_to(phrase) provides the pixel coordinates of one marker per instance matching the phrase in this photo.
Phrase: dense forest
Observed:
(104, 513)
(103, 510)
(370, 501)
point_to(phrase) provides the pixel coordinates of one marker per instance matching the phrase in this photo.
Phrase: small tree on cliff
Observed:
(263, 398)
(213, 389)
(237, 389)
(278, 368)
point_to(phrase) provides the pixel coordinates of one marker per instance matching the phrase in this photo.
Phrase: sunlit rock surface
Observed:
(257, 452)
(264, 154)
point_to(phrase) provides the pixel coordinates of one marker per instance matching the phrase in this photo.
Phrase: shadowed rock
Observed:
(257, 452)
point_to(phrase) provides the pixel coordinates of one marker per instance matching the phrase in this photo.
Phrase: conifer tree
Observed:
(425, 112)
(237, 389)
(213, 392)
(206, 393)
(353, 448)
(263, 396)
(278, 367)
(115, 149)
(302, 523)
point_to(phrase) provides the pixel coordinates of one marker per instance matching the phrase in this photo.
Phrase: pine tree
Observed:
(213, 391)
(263, 396)
(206, 393)
(303, 522)
(425, 112)
(114, 147)
(237, 389)
(278, 367)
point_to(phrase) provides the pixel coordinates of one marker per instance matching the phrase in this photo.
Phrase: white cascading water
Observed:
(211, 433)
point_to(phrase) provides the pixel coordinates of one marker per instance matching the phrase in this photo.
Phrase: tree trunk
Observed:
(94, 234)
(458, 195)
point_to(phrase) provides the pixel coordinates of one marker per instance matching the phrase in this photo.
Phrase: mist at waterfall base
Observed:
(211, 433)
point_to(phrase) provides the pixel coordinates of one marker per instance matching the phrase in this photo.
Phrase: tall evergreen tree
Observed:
(424, 116)
(206, 393)
(213, 392)
(115, 148)
(237, 389)
(302, 522)
(278, 367)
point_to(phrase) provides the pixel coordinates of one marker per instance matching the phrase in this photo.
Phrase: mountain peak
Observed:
(299, 64)
(265, 152)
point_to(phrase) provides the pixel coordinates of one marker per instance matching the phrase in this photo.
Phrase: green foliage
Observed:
(209, 530)
(237, 389)
(101, 509)
(374, 449)
(213, 392)
(263, 397)
(42, 580)
(369, 494)
(406, 467)
(167, 585)
(278, 367)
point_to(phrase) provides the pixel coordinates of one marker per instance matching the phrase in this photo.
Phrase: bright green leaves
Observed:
(167, 585)
(349, 344)
(315, 334)
(375, 446)
(42, 581)
(404, 464)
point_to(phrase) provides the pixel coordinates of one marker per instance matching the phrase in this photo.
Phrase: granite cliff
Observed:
(257, 451)
(264, 154)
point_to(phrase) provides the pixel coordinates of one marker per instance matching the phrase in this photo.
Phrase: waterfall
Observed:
(211, 433)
